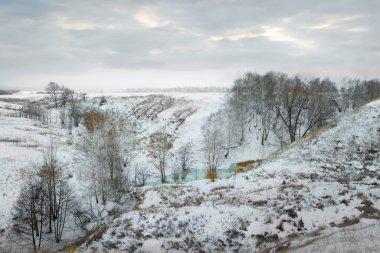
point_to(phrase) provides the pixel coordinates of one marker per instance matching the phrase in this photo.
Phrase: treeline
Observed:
(66, 101)
(7, 92)
(209, 89)
(288, 107)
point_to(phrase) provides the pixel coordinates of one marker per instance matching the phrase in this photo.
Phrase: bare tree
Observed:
(64, 93)
(185, 159)
(141, 175)
(74, 107)
(62, 116)
(58, 192)
(213, 144)
(109, 179)
(83, 96)
(29, 212)
(293, 103)
(53, 89)
(322, 104)
(159, 147)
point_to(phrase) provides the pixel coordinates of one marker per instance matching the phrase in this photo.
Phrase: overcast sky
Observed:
(117, 44)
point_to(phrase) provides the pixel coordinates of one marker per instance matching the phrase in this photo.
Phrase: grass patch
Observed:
(245, 163)
(239, 170)
(75, 245)
(212, 175)
(313, 134)
(97, 235)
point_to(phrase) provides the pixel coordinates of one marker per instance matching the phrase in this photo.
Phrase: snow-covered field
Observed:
(22, 141)
(313, 188)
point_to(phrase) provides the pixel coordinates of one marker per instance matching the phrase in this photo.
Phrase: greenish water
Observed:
(193, 175)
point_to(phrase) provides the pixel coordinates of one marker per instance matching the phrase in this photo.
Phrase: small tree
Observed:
(75, 113)
(57, 191)
(141, 175)
(185, 159)
(159, 147)
(29, 215)
(213, 144)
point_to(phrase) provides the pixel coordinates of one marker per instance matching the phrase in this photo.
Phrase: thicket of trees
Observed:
(286, 106)
(107, 157)
(45, 201)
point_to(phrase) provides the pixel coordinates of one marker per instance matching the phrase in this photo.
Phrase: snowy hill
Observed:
(314, 187)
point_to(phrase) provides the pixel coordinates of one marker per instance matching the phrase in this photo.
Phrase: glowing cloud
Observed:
(66, 24)
(149, 19)
(332, 21)
(273, 33)
(358, 29)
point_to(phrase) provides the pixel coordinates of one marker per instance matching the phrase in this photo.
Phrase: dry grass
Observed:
(245, 163)
(212, 175)
(97, 235)
(239, 170)
(75, 245)
(315, 132)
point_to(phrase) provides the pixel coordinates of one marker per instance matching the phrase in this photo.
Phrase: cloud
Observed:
(156, 51)
(149, 19)
(273, 33)
(358, 29)
(236, 36)
(47, 39)
(279, 34)
(332, 21)
(65, 23)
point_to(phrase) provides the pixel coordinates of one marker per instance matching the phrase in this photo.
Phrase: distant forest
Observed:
(208, 89)
(7, 92)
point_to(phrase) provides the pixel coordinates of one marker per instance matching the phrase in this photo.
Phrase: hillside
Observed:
(317, 186)
(23, 141)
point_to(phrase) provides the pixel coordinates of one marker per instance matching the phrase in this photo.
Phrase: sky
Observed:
(111, 45)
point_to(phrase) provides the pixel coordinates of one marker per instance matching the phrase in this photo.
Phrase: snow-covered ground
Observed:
(22, 141)
(319, 184)
(325, 182)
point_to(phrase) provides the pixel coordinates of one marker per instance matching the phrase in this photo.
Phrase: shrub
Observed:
(212, 175)
(93, 120)
(245, 163)
(239, 170)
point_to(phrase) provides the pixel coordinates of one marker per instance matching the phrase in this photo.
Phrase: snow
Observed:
(302, 190)
(311, 186)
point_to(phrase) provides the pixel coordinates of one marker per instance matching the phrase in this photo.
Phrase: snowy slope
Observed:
(326, 181)
(22, 141)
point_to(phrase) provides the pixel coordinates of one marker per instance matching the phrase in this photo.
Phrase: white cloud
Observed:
(149, 19)
(279, 34)
(156, 51)
(236, 36)
(358, 29)
(65, 23)
(273, 33)
(332, 21)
